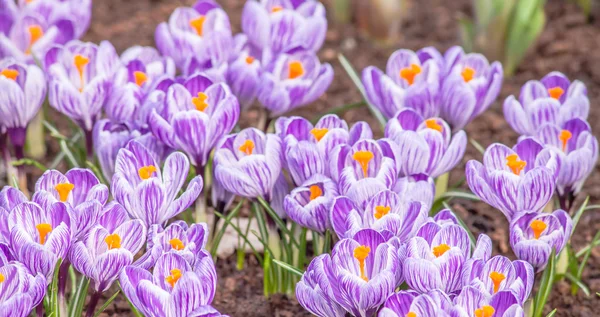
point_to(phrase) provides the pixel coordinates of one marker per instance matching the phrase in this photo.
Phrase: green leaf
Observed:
(241, 234)
(278, 221)
(579, 213)
(552, 313)
(592, 207)
(545, 286)
(289, 268)
(110, 300)
(464, 225)
(133, 309)
(54, 304)
(467, 33)
(524, 29)
(584, 261)
(339, 110)
(578, 282)
(458, 194)
(97, 172)
(30, 162)
(477, 146)
(78, 301)
(586, 249)
(217, 238)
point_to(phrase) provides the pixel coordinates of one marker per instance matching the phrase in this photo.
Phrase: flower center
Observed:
(35, 33)
(247, 147)
(200, 101)
(249, 59)
(564, 137)
(497, 278)
(10, 73)
(177, 244)
(409, 73)
(276, 9)
(198, 24)
(319, 133)
(146, 171)
(361, 253)
(515, 164)
(174, 277)
(432, 124)
(411, 314)
(2, 278)
(440, 250)
(295, 69)
(64, 189)
(113, 241)
(556, 92)
(140, 78)
(80, 63)
(485, 311)
(315, 192)
(538, 227)
(43, 230)
(467, 74)
(363, 158)
(381, 211)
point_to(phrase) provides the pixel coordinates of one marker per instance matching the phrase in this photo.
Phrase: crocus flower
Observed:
(109, 138)
(244, 72)
(411, 304)
(279, 26)
(513, 180)
(553, 100)
(314, 291)
(79, 80)
(40, 237)
(106, 251)
(20, 291)
(418, 187)
(196, 116)
(309, 204)
(473, 302)
(248, 163)
(188, 242)
(307, 148)
(149, 193)
(76, 12)
(427, 146)
(364, 270)
(412, 80)
(470, 86)
(24, 91)
(293, 80)
(577, 151)
(534, 235)
(385, 212)
(201, 33)
(174, 288)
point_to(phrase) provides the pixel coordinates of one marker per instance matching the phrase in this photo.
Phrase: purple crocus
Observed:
(109, 138)
(412, 80)
(517, 179)
(314, 291)
(76, 12)
(309, 204)
(244, 72)
(293, 80)
(196, 116)
(186, 241)
(174, 288)
(412, 304)
(20, 291)
(248, 163)
(24, 91)
(149, 193)
(471, 85)
(474, 302)
(385, 212)
(426, 146)
(534, 235)
(553, 100)
(416, 188)
(200, 34)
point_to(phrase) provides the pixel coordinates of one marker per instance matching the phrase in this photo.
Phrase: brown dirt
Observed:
(568, 44)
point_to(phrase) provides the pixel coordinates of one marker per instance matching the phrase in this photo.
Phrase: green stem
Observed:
(441, 185)
(201, 215)
(35, 145)
(108, 302)
(78, 299)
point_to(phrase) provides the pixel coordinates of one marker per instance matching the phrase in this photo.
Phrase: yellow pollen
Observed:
(361, 253)
(200, 101)
(515, 164)
(295, 69)
(113, 241)
(10, 73)
(564, 137)
(319, 133)
(247, 147)
(468, 73)
(432, 124)
(440, 250)
(146, 171)
(276, 9)
(177, 244)
(35, 33)
(538, 227)
(363, 158)
(315, 192)
(556, 92)
(64, 189)
(381, 211)
(485, 311)
(497, 278)
(409, 73)
(249, 59)
(80, 62)
(43, 229)
(28, 1)
(198, 24)
(140, 78)
(2, 278)
(174, 277)
(411, 314)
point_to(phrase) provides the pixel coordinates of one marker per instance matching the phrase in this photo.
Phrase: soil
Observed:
(570, 44)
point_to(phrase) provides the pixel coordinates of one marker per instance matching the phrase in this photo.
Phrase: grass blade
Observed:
(586, 257)
(108, 302)
(580, 212)
(219, 235)
(579, 283)
(545, 286)
(552, 313)
(477, 146)
(288, 268)
(241, 234)
(76, 304)
(278, 221)
(31, 162)
(54, 305)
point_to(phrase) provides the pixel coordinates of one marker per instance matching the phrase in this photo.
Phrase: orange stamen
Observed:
(247, 147)
(485, 311)
(200, 101)
(64, 189)
(140, 78)
(432, 124)
(177, 244)
(361, 253)
(515, 164)
(198, 24)
(538, 227)
(556, 92)
(381, 211)
(35, 33)
(276, 9)
(468, 73)
(295, 69)
(497, 278)
(174, 277)
(315, 192)
(319, 133)
(10, 73)
(564, 137)
(409, 73)
(363, 158)
(440, 250)
(80, 62)
(2, 278)
(411, 314)
(249, 59)
(113, 241)
(43, 229)
(146, 171)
